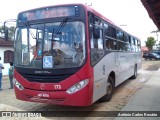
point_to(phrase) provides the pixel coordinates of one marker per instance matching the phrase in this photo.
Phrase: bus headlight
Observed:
(77, 86)
(18, 85)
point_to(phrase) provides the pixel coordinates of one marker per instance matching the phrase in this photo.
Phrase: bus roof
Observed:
(106, 19)
(85, 6)
(88, 8)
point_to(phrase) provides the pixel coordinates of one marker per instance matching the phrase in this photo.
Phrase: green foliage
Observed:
(11, 31)
(150, 43)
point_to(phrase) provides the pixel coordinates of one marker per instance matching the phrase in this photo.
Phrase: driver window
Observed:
(97, 43)
(97, 51)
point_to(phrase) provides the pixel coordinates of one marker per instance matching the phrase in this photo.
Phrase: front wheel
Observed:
(110, 89)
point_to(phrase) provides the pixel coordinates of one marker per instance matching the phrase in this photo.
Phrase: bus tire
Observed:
(110, 89)
(135, 72)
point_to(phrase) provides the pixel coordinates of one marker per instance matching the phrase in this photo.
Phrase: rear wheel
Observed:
(110, 89)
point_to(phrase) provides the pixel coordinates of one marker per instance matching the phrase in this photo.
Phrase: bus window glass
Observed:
(132, 48)
(139, 46)
(127, 47)
(106, 29)
(113, 32)
(97, 43)
(100, 41)
(126, 38)
(119, 35)
(109, 31)
(132, 41)
(65, 47)
(97, 51)
(25, 47)
(121, 46)
(136, 42)
(111, 44)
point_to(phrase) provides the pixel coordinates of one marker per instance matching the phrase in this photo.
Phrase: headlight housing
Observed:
(17, 84)
(78, 86)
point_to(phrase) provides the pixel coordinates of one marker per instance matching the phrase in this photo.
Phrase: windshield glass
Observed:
(50, 45)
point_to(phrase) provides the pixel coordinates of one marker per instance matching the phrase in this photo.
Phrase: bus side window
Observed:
(100, 40)
(111, 44)
(97, 42)
(120, 35)
(126, 38)
(97, 51)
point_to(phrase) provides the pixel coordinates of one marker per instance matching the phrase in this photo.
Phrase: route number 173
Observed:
(57, 87)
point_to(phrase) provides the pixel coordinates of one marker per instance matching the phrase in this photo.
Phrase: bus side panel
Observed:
(101, 72)
(121, 63)
(126, 65)
(139, 61)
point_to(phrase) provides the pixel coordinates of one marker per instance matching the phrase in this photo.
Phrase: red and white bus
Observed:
(71, 55)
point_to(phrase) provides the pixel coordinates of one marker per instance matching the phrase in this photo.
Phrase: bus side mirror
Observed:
(96, 33)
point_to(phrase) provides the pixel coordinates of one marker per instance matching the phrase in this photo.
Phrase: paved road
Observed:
(121, 96)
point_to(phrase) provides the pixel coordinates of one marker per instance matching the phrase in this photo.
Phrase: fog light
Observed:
(17, 84)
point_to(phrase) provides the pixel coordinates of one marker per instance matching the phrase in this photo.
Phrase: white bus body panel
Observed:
(101, 72)
(121, 63)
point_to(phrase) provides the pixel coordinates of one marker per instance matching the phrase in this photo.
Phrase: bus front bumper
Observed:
(80, 98)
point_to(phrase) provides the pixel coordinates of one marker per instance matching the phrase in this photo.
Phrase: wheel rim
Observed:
(109, 88)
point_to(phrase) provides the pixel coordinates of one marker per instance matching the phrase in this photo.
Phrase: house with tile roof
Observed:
(6, 54)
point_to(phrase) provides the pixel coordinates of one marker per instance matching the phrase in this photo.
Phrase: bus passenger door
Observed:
(97, 60)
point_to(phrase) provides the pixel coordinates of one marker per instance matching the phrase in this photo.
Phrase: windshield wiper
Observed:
(31, 33)
(61, 26)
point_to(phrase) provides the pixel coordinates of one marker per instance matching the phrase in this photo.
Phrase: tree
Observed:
(11, 31)
(150, 43)
(1, 30)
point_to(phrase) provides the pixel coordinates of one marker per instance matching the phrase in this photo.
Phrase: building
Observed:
(144, 49)
(153, 9)
(6, 54)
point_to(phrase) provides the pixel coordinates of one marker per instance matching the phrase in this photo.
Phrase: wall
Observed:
(6, 65)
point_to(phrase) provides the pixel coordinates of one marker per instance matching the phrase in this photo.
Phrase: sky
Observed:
(130, 15)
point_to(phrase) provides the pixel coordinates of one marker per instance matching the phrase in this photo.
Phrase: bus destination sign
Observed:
(49, 12)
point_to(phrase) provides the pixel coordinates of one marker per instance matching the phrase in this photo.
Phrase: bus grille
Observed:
(45, 78)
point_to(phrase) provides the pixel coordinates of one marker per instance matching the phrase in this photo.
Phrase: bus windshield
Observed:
(50, 45)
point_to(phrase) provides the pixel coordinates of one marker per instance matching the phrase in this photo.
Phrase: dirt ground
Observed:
(150, 65)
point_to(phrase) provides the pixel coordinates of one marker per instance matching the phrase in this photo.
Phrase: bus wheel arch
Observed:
(135, 72)
(110, 88)
(112, 74)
